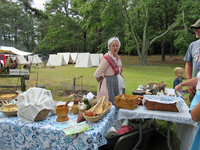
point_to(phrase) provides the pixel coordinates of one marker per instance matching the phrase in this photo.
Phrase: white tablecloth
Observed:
(185, 123)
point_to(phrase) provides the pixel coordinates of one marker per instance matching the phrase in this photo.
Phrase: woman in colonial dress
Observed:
(109, 73)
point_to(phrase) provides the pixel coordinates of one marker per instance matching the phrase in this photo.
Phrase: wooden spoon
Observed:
(100, 108)
(66, 104)
(93, 109)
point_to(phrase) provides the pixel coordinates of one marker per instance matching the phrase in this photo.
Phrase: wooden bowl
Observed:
(7, 109)
(62, 112)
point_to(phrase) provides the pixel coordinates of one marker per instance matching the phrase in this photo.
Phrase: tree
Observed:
(62, 30)
(142, 11)
(17, 27)
(185, 35)
(100, 21)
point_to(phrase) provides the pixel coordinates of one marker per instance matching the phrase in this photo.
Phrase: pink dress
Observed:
(106, 69)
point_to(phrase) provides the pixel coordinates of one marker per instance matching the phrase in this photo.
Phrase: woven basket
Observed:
(96, 118)
(126, 101)
(160, 106)
(42, 115)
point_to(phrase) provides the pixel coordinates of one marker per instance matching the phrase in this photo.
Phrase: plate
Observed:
(9, 110)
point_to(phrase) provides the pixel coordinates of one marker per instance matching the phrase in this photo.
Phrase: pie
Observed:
(8, 96)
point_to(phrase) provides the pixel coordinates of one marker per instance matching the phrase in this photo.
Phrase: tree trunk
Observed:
(143, 59)
(85, 39)
(163, 50)
(16, 38)
(171, 48)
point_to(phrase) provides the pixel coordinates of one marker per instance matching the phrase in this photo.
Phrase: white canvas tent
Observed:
(95, 59)
(12, 50)
(56, 60)
(67, 57)
(74, 57)
(21, 60)
(83, 60)
(34, 59)
(100, 56)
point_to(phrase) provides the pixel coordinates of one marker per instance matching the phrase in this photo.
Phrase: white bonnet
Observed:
(113, 39)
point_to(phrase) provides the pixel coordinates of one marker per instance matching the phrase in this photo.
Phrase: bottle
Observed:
(178, 94)
(75, 108)
(86, 102)
(162, 87)
(162, 92)
(155, 90)
(82, 108)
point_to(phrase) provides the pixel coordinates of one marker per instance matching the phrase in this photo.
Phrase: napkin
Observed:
(31, 102)
(90, 96)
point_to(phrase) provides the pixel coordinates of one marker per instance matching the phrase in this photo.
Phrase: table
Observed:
(186, 127)
(17, 135)
(22, 80)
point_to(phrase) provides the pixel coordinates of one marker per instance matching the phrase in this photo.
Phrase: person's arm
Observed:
(101, 69)
(188, 72)
(191, 82)
(195, 113)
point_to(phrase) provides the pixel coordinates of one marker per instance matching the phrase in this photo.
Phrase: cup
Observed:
(144, 87)
(82, 108)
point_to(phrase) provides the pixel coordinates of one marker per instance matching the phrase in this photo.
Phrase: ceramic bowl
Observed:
(9, 110)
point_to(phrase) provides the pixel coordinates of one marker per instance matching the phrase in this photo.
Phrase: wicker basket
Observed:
(42, 115)
(126, 101)
(160, 106)
(96, 118)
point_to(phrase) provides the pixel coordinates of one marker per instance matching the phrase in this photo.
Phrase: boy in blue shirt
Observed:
(179, 74)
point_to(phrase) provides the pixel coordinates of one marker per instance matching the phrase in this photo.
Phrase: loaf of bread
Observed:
(8, 96)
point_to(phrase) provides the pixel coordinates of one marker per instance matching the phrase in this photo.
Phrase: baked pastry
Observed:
(8, 96)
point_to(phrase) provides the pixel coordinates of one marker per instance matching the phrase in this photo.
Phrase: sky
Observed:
(39, 4)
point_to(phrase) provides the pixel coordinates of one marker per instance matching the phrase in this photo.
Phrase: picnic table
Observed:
(22, 80)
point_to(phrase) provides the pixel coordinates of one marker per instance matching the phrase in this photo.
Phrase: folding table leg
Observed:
(140, 134)
(168, 134)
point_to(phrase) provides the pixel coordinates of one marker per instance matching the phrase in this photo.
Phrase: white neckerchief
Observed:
(117, 60)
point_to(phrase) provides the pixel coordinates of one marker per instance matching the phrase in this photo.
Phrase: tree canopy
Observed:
(143, 26)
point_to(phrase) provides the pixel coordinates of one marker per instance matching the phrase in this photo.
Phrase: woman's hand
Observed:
(99, 78)
(192, 90)
(178, 88)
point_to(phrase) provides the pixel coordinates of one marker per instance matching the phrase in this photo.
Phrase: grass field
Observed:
(60, 81)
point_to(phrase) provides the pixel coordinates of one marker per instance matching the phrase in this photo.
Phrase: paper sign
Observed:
(72, 127)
